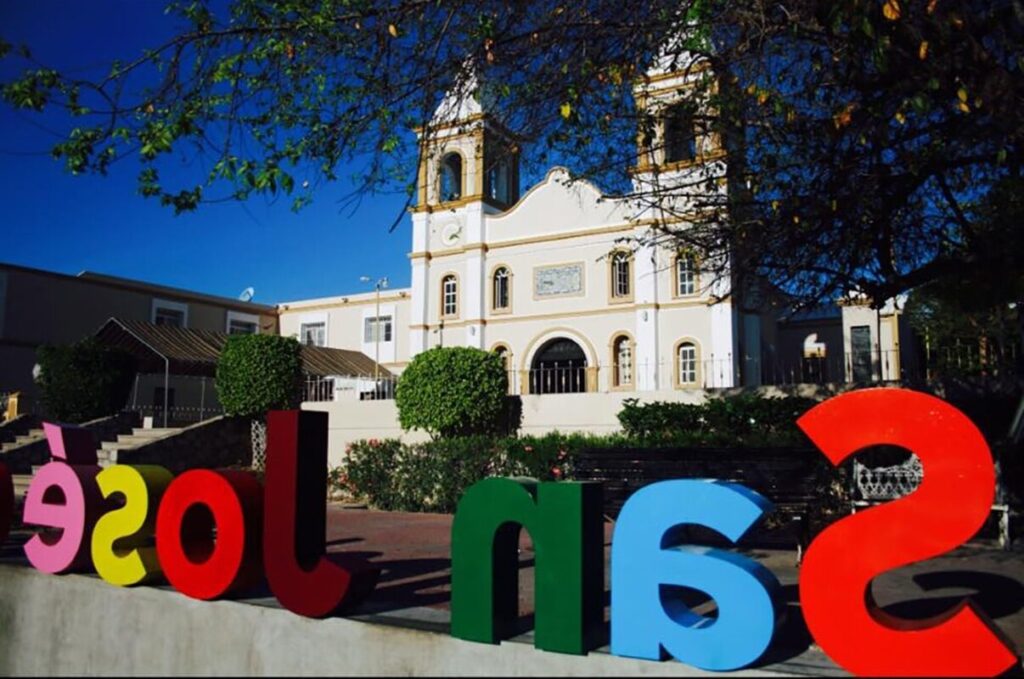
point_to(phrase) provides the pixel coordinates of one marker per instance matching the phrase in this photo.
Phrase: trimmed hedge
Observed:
(455, 391)
(85, 380)
(431, 477)
(257, 373)
(743, 420)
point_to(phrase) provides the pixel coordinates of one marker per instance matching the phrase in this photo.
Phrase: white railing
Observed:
(318, 388)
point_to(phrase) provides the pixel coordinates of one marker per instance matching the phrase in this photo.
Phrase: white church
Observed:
(560, 279)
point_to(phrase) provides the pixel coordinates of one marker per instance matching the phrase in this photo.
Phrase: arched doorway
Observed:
(559, 367)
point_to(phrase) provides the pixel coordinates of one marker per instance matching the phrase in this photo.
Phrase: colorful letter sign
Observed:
(285, 524)
(565, 522)
(946, 510)
(648, 551)
(294, 533)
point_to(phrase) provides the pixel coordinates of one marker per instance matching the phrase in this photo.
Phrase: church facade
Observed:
(576, 289)
(560, 280)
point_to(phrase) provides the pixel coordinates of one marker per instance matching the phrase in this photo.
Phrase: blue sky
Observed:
(52, 220)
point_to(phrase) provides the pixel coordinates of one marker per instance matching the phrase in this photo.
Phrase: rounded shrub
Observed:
(84, 381)
(257, 373)
(454, 391)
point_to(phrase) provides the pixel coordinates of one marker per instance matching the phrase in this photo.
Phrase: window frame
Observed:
(177, 307)
(677, 289)
(454, 278)
(495, 272)
(250, 319)
(671, 127)
(375, 323)
(442, 170)
(619, 339)
(677, 364)
(618, 259)
(302, 333)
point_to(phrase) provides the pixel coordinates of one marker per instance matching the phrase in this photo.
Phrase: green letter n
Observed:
(565, 522)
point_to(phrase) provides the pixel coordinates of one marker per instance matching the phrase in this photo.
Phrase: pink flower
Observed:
(528, 449)
(556, 472)
(374, 443)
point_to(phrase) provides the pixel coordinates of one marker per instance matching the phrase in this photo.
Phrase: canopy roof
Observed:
(190, 351)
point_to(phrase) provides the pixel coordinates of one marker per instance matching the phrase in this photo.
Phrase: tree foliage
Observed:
(861, 133)
(454, 391)
(84, 381)
(257, 373)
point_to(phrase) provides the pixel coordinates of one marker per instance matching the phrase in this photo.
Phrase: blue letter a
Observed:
(647, 553)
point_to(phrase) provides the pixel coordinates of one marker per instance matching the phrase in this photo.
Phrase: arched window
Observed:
(680, 136)
(503, 353)
(686, 274)
(451, 177)
(449, 296)
(622, 355)
(620, 283)
(686, 364)
(501, 299)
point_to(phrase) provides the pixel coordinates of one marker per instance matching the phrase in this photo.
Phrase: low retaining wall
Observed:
(595, 413)
(80, 625)
(218, 442)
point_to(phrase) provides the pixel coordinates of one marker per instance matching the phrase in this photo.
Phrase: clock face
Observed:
(450, 234)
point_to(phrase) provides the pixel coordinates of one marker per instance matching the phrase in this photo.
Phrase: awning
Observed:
(190, 351)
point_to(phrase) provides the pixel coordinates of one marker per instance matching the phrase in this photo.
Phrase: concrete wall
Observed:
(596, 412)
(79, 625)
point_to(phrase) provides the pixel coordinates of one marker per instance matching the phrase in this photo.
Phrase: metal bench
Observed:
(874, 485)
(791, 478)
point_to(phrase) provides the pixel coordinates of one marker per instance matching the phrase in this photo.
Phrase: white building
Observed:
(545, 277)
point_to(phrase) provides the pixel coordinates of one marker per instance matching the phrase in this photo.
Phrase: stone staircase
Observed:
(106, 455)
(31, 436)
(109, 450)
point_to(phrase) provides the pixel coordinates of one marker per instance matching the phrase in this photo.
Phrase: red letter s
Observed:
(946, 510)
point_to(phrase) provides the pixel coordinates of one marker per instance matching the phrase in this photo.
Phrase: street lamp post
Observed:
(381, 283)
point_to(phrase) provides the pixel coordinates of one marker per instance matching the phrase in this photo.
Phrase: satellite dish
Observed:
(247, 294)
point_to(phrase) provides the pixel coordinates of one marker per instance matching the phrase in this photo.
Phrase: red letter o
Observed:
(194, 562)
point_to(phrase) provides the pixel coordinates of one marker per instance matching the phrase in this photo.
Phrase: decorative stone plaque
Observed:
(552, 281)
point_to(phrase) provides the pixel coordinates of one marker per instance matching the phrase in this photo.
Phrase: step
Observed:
(155, 432)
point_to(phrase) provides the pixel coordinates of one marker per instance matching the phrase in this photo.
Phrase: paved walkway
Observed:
(413, 552)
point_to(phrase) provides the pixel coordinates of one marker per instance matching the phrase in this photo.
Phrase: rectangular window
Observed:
(687, 364)
(166, 312)
(237, 327)
(377, 328)
(314, 334)
(450, 306)
(686, 276)
(242, 324)
(500, 300)
(169, 317)
(620, 275)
